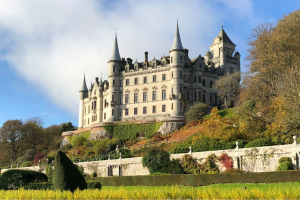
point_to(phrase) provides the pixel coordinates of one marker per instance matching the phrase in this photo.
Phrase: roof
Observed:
(224, 37)
(177, 45)
(115, 56)
(84, 88)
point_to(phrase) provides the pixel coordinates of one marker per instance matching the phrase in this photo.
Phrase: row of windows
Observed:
(136, 97)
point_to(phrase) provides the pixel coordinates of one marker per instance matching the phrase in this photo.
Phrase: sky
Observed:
(47, 45)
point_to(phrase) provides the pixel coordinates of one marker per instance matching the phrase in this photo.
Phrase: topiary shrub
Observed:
(285, 163)
(155, 159)
(16, 178)
(66, 175)
(260, 142)
(49, 173)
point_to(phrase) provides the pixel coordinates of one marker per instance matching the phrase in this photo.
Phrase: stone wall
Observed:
(170, 127)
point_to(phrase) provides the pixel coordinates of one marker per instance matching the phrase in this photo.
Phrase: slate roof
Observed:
(84, 88)
(177, 45)
(115, 53)
(224, 37)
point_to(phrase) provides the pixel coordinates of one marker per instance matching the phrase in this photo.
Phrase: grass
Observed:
(227, 113)
(220, 191)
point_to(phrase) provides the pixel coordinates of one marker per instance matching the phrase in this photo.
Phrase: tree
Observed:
(228, 87)
(197, 112)
(12, 132)
(154, 159)
(33, 132)
(67, 127)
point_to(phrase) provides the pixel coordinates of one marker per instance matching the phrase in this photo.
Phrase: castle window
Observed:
(195, 79)
(136, 80)
(135, 111)
(113, 97)
(144, 110)
(154, 78)
(126, 98)
(104, 115)
(135, 97)
(171, 106)
(89, 109)
(126, 111)
(163, 95)
(114, 68)
(127, 81)
(105, 103)
(172, 74)
(112, 112)
(163, 109)
(171, 59)
(145, 79)
(121, 99)
(121, 82)
(211, 84)
(203, 82)
(164, 77)
(144, 96)
(154, 109)
(95, 103)
(199, 79)
(180, 74)
(113, 84)
(231, 70)
(92, 105)
(153, 95)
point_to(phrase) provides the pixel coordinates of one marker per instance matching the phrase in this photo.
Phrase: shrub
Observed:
(285, 163)
(190, 165)
(26, 164)
(66, 175)
(226, 161)
(154, 159)
(197, 112)
(260, 142)
(38, 157)
(171, 167)
(49, 172)
(232, 145)
(208, 144)
(209, 166)
(94, 185)
(16, 178)
(232, 171)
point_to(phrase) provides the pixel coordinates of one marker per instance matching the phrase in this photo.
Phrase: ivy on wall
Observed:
(130, 131)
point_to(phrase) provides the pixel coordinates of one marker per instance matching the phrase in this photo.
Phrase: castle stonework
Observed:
(160, 89)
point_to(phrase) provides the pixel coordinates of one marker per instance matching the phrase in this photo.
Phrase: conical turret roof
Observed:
(115, 56)
(84, 88)
(177, 45)
(224, 37)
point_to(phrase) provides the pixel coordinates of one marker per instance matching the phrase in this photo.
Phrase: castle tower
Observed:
(101, 86)
(114, 69)
(221, 48)
(176, 63)
(83, 93)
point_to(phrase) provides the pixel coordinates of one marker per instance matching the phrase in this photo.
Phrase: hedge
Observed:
(129, 131)
(49, 186)
(199, 180)
(16, 178)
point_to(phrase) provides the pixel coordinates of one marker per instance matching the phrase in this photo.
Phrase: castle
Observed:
(158, 89)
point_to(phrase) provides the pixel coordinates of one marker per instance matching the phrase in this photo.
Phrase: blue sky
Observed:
(45, 46)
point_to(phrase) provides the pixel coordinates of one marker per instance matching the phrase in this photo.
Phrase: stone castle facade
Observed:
(158, 89)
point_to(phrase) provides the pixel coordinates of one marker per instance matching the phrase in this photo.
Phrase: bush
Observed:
(66, 175)
(233, 171)
(232, 145)
(190, 165)
(81, 139)
(49, 173)
(94, 185)
(38, 157)
(26, 164)
(197, 112)
(208, 144)
(260, 142)
(226, 161)
(172, 167)
(16, 178)
(285, 163)
(155, 159)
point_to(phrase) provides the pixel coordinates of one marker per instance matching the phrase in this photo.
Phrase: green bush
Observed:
(171, 167)
(16, 178)
(80, 139)
(208, 144)
(260, 142)
(66, 175)
(101, 146)
(285, 163)
(129, 131)
(26, 164)
(232, 145)
(155, 159)
(197, 112)
(94, 185)
(49, 173)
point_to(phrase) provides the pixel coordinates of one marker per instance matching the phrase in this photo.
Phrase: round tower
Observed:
(114, 69)
(83, 93)
(177, 64)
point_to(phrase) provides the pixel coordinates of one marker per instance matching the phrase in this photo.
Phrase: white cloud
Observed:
(50, 43)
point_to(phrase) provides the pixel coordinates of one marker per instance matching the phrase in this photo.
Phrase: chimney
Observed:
(146, 56)
(97, 80)
(186, 52)
(129, 61)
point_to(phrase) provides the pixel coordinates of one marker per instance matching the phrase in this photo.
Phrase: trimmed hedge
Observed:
(16, 178)
(260, 142)
(49, 186)
(129, 131)
(200, 180)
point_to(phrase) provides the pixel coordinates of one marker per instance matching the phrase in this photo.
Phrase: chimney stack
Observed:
(146, 56)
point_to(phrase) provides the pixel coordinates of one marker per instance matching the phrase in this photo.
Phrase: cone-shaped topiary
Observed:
(66, 175)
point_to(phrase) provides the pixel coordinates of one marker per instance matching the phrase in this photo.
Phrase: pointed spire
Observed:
(101, 80)
(224, 37)
(115, 56)
(84, 88)
(177, 45)
(91, 86)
